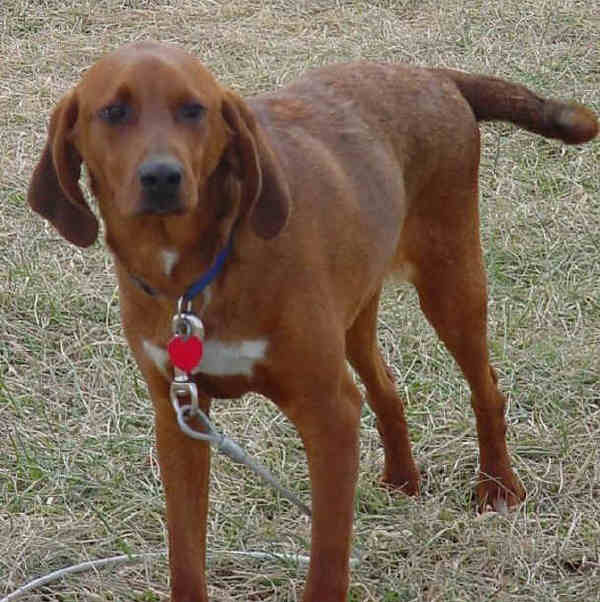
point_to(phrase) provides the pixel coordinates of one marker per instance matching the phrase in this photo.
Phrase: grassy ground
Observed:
(78, 471)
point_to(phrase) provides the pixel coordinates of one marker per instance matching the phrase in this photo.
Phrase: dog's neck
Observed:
(165, 267)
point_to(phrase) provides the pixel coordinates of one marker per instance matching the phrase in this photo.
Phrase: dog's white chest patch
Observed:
(219, 359)
(169, 258)
(231, 359)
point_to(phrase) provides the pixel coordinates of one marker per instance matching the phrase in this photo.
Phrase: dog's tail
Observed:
(494, 99)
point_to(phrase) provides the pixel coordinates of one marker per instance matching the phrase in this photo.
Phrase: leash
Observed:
(133, 558)
(227, 446)
(185, 351)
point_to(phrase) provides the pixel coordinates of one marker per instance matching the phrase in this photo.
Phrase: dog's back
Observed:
(382, 142)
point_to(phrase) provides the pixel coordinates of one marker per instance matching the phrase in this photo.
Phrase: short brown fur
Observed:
(329, 185)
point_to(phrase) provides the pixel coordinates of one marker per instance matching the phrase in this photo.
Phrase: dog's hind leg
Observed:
(364, 356)
(451, 283)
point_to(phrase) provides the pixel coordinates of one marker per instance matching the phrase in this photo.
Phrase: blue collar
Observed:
(209, 276)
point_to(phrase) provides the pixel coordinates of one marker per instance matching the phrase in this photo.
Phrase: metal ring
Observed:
(181, 412)
(181, 326)
(180, 309)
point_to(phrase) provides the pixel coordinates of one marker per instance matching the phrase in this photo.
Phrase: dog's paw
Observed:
(408, 482)
(499, 494)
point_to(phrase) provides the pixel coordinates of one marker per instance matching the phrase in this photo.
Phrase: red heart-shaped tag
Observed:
(185, 352)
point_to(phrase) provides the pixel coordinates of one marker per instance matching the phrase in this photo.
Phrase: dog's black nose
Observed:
(160, 181)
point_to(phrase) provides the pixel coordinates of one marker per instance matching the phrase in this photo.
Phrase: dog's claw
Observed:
(500, 506)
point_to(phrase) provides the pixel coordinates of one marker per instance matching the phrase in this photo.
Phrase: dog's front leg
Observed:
(184, 468)
(329, 430)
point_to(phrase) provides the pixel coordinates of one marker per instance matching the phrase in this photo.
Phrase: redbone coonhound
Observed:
(318, 191)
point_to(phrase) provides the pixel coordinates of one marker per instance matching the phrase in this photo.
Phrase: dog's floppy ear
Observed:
(54, 190)
(266, 193)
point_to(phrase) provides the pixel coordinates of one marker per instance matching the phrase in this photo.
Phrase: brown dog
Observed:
(322, 188)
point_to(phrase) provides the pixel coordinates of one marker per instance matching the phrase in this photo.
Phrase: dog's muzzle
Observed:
(160, 181)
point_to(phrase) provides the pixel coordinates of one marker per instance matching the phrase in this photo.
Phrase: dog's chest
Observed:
(220, 358)
(233, 358)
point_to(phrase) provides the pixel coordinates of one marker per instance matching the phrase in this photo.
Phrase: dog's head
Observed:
(162, 141)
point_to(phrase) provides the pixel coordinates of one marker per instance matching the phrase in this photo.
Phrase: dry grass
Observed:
(78, 475)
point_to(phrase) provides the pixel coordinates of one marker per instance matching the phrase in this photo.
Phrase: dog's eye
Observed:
(191, 111)
(115, 113)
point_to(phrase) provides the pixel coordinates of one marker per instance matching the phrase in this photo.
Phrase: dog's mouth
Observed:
(160, 206)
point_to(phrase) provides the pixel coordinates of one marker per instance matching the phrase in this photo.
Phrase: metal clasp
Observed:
(184, 390)
(185, 322)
